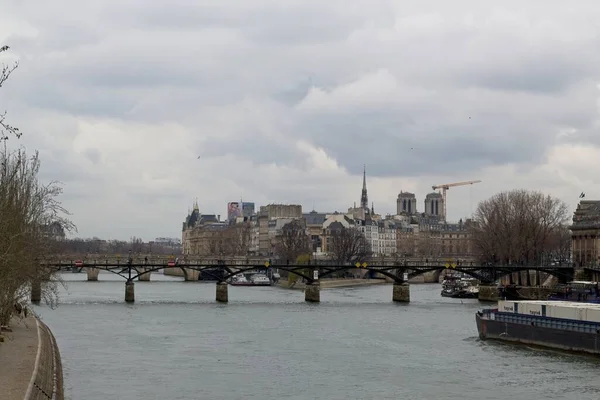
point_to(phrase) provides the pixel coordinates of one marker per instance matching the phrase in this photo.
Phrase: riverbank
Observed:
(30, 364)
(334, 283)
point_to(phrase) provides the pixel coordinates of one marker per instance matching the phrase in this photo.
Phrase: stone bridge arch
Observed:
(392, 272)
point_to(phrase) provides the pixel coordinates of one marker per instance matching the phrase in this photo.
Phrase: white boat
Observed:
(256, 279)
(260, 280)
(460, 287)
(239, 280)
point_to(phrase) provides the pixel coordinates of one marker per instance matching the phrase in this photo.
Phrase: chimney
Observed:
(219, 217)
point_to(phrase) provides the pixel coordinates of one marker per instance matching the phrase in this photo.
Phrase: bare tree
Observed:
(349, 245)
(406, 244)
(558, 245)
(237, 239)
(118, 247)
(292, 241)
(516, 227)
(136, 245)
(233, 240)
(429, 245)
(27, 209)
(96, 245)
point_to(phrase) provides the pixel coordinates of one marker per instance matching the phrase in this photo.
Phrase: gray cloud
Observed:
(414, 90)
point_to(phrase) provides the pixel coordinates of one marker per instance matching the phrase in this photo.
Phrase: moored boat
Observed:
(260, 280)
(577, 291)
(460, 288)
(561, 325)
(253, 279)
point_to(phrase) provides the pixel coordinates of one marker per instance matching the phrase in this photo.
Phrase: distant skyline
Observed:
(138, 107)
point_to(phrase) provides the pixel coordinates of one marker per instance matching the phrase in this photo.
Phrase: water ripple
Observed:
(175, 342)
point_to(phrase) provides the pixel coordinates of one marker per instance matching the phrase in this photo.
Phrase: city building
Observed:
(434, 205)
(406, 234)
(363, 212)
(200, 233)
(431, 239)
(248, 209)
(237, 211)
(406, 204)
(314, 225)
(266, 225)
(456, 240)
(332, 226)
(264, 244)
(585, 234)
(273, 211)
(381, 235)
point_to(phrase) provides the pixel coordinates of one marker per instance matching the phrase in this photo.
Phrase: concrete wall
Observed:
(47, 378)
(281, 211)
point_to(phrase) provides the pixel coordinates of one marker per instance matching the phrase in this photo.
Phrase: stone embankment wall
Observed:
(173, 271)
(47, 378)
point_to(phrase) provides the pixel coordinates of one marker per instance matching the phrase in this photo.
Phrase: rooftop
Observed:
(587, 215)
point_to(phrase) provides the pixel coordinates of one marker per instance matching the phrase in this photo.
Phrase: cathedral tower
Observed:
(364, 198)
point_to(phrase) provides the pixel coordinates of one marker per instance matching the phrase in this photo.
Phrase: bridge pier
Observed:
(191, 274)
(312, 292)
(488, 293)
(145, 276)
(129, 292)
(36, 291)
(92, 274)
(401, 292)
(222, 294)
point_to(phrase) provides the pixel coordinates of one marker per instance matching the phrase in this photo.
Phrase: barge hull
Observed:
(539, 336)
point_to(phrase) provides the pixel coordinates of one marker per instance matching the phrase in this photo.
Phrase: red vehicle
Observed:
(171, 263)
(79, 263)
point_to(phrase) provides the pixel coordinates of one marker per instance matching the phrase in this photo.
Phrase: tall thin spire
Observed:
(364, 198)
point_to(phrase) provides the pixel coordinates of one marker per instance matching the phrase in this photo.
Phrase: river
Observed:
(175, 342)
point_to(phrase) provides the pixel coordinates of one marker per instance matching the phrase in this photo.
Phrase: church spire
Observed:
(364, 198)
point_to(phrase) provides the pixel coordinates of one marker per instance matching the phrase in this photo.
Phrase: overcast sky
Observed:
(284, 101)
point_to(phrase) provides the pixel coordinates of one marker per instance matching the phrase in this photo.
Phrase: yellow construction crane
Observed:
(447, 186)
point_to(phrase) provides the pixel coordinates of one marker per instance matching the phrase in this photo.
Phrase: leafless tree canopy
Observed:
(232, 241)
(559, 244)
(349, 245)
(518, 227)
(29, 214)
(31, 220)
(5, 71)
(292, 242)
(407, 244)
(95, 245)
(429, 245)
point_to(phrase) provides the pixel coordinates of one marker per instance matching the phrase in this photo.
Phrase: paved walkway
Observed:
(17, 358)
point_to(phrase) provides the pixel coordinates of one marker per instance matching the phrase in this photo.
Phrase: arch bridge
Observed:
(223, 270)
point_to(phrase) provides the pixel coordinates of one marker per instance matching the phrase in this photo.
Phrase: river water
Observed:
(175, 342)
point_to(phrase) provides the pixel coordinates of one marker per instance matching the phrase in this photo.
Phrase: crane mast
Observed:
(446, 186)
